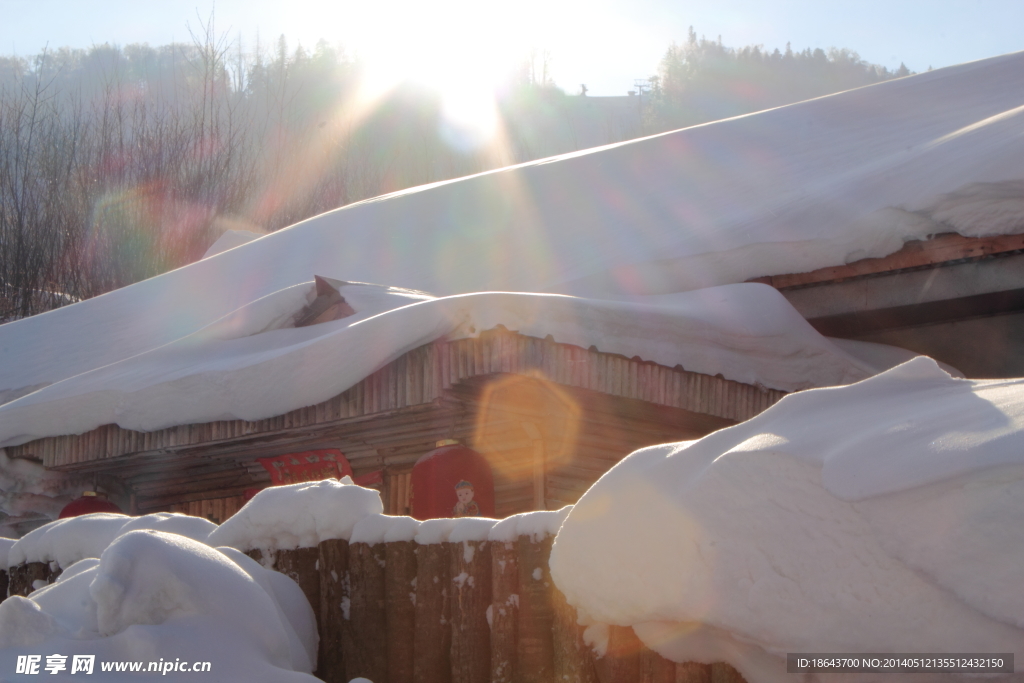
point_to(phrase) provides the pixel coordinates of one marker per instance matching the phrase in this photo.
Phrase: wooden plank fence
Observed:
(467, 612)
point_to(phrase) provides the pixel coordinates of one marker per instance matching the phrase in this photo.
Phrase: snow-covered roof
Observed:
(884, 516)
(796, 188)
(239, 369)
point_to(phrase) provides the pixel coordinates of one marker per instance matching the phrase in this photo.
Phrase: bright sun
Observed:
(462, 49)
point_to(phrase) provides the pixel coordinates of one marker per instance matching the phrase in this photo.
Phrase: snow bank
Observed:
(66, 541)
(885, 516)
(705, 206)
(156, 596)
(745, 332)
(536, 525)
(298, 516)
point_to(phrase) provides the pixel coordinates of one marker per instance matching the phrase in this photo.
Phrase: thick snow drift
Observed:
(66, 541)
(156, 596)
(298, 516)
(886, 516)
(235, 370)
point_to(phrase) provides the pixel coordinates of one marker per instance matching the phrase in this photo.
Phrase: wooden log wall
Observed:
(471, 598)
(482, 612)
(504, 612)
(153, 462)
(364, 633)
(432, 642)
(334, 594)
(400, 581)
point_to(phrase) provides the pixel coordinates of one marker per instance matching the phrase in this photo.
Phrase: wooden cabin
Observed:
(551, 418)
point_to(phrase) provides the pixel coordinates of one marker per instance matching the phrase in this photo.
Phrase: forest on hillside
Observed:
(119, 163)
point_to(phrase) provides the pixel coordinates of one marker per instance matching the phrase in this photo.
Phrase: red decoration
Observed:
(452, 481)
(89, 502)
(370, 479)
(293, 468)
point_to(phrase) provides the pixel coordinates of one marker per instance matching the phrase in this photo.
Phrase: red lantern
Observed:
(91, 501)
(452, 481)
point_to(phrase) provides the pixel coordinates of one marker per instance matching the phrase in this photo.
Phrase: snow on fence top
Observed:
(814, 184)
(298, 516)
(66, 541)
(434, 531)
(403, 528)
(892, 505)
(468, 529)
(536, 525)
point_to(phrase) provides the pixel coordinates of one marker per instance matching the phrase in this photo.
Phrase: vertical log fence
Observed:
(446, 601)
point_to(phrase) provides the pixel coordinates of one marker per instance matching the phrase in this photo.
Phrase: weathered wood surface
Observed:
(914, 254)
(573, 659)
(413, 381)
(535, 647)
(724, 673)
(22, 578)
(654, 668)
(334, 580)
(692, 672)
(400, 589)
(621, 662)
(364, 637)
(302, 566)
(433, 642)
(504, 611)
(471, 596)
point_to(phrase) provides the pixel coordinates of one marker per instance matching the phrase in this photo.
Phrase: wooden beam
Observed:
(915, 254)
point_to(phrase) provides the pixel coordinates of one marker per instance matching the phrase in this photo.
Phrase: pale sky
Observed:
(603, 43)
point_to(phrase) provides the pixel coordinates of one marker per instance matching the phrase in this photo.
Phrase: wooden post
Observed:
(3, 584)
(692, 672)
(333, 609)
(364, 638)
(725, 673)
(654, 668)
(23, 577)
(504, 611)
(301, 566)
(433, 642)
(535, 649)
(400, 589)
(471, 596)
(539, 469)
(573, 659)
(621, 662)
